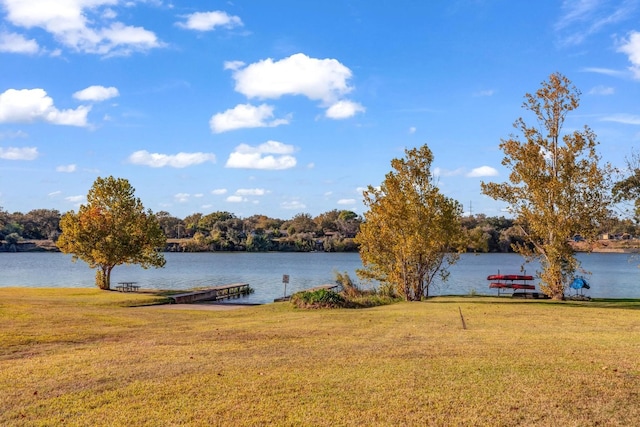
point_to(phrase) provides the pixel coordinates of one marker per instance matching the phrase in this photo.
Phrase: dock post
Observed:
(285, 280)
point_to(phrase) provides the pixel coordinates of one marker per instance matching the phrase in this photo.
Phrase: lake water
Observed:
(613, 275)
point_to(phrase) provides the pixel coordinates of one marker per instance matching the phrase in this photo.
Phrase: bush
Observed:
(13, 238)
(387, 290)
(321, 298)
(351, 296)
(349, 289)
(372, 300)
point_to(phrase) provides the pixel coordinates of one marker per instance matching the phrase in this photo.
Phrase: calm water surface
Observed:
(612, 275)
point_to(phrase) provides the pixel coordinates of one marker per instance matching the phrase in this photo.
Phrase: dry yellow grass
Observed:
(82, 357)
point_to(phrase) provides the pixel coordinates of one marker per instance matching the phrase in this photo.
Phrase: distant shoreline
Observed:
(615, 251)
(610, 246)
(601, 246)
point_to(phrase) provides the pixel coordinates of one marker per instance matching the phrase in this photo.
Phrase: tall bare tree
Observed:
(411, 232)
(557, 186)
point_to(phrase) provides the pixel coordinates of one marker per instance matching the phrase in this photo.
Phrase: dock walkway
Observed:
(212, 294)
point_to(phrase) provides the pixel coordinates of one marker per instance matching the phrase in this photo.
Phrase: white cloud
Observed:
(627, 119)
(318, 79)
(219, 191)
(602, 90)
(445, 172)
(207, 21)
(109, 14)
(344, 109)
(245, 116)
(631, 47)
(293, 205)
(258, 161)
(236, 199)
(81, 25)
(486, 92)
(30, 105)
(66, 168)
(74, 199)
(605, 71)
(182, 197)
(13, 153)
(54, 193)
(482, 171)
(96, 93)
(251, 192)
(17, 43)
(274, 147)
(13, 134)
(271, 155)
(412, 130)
(347, 201)
(233, 65)
(583, 18)
(180, 160)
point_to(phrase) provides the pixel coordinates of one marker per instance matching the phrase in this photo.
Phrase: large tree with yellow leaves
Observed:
(412, 232)
(557, 186)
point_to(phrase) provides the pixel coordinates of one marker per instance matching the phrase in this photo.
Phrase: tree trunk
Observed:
(103, 277)
(558, 290)
(108, 278)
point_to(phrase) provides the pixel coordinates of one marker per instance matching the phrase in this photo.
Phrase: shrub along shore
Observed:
(90, 357)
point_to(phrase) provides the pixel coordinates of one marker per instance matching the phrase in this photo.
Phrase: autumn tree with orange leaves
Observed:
(113, 228)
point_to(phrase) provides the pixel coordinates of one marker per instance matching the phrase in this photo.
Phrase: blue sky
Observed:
(287, 107)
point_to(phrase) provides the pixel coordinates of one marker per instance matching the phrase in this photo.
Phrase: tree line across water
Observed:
(331, 231)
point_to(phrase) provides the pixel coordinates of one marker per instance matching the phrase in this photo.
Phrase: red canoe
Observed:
(523, 286)
(500, 285)
(509, 277)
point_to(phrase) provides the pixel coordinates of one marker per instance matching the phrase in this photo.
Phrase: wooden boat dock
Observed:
(215, 293)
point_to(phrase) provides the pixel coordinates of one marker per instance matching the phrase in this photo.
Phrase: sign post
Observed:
(285, 280)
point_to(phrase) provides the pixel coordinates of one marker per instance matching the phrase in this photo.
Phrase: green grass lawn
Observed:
(88, 357)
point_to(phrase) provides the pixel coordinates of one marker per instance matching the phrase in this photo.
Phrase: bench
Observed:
(127, 287)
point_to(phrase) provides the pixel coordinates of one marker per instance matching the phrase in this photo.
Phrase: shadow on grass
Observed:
(619, 303)
(626, 303)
